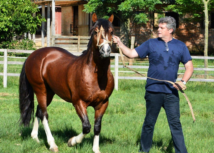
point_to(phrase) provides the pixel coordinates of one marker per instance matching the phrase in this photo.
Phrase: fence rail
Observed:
(115, 67)
(71, 43)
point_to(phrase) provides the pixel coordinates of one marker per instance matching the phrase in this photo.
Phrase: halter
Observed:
(101, 32)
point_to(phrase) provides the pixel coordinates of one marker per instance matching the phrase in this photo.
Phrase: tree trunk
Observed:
(206, 36)
(124, 35)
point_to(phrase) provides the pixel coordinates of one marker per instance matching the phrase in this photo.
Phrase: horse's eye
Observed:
(95, 32)
(112, 33)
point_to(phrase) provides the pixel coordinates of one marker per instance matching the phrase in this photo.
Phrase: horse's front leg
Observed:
(99, 111)
(86, 126)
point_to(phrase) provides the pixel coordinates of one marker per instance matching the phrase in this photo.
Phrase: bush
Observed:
(24, 44)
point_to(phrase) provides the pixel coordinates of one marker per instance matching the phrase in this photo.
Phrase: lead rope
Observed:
(190, 105)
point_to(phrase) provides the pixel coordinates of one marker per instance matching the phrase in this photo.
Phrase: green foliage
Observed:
(193, 7)
(16, 18)
(24, 44)
(122, 9)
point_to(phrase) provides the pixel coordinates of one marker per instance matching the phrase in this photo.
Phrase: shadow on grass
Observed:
(89, 141)
(164, 148)
(159, 144)
(62, 136)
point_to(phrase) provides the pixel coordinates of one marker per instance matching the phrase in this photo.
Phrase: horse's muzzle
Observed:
(105, 51)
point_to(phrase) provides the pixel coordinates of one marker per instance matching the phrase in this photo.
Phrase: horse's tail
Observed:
(26, 98)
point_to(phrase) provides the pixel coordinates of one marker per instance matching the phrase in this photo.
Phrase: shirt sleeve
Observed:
(143, 49)
(186, 55)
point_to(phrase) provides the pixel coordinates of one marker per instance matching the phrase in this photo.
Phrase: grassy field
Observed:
(121, 125)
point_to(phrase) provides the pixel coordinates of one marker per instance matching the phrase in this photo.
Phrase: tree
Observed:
(206, 2)
(16, 18)
(134, 11)
(196, 9)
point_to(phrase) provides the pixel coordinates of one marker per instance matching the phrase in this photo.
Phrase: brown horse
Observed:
(84, 81)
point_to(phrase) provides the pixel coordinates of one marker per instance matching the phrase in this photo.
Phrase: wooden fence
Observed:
(71, 43)
(115, 68)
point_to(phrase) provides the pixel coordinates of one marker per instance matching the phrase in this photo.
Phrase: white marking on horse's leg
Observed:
(80, 137)
(74, 140)
(50, 139)
(96, 148)
(34, 133)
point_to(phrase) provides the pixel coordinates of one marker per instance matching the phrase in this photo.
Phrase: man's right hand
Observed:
(181, 84)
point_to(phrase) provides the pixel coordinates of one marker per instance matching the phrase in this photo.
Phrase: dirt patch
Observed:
(5, 94)
(58, 100)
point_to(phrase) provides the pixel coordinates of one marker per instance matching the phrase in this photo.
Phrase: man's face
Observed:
(163, 31)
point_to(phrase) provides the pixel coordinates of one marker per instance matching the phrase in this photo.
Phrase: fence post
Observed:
(116, 71)
(78, 45)
(53, 40)
(131, 60)
(5, 69)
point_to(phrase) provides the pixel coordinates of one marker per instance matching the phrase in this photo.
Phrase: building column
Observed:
(48, 25)
(43, 25)
(29, 35)
(34, 37)
(53, 18)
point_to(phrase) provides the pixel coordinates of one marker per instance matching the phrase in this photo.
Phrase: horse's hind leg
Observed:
(82, 112)
(44, 100)
(39, 116)
(99, 111)
(34, 133)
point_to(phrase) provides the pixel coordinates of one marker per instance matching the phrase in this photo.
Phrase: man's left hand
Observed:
(181, 84)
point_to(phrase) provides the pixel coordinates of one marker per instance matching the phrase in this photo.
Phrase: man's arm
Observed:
(187, 75)
(131, 53)
(188, 72)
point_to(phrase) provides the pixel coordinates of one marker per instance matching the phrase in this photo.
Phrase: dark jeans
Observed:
(170, 102)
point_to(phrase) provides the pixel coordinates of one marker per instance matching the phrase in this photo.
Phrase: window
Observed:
(212, 20)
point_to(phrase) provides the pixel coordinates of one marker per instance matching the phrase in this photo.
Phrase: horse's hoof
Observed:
(72, 142)
(37, 140)
(54, 149)
(96, 150)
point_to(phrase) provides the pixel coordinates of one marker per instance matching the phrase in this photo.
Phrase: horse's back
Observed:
(48, 51)
(48, 67)
(49, 56)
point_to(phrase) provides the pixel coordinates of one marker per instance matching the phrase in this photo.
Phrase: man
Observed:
(165, 53)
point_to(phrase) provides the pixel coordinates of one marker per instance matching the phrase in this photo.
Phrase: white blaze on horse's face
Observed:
(104, 47)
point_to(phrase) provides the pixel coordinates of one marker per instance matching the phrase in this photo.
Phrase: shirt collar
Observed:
(164, 41)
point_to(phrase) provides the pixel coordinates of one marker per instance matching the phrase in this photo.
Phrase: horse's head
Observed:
(102, 34)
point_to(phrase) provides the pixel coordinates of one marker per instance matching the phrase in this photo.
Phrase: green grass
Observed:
(121, 124)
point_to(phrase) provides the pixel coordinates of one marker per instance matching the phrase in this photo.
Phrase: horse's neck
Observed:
(100, 65)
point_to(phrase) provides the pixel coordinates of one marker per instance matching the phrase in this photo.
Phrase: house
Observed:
(191, 33)
(67, 18)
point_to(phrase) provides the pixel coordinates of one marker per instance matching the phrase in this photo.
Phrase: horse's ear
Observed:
(111, 18)
(94, 17)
